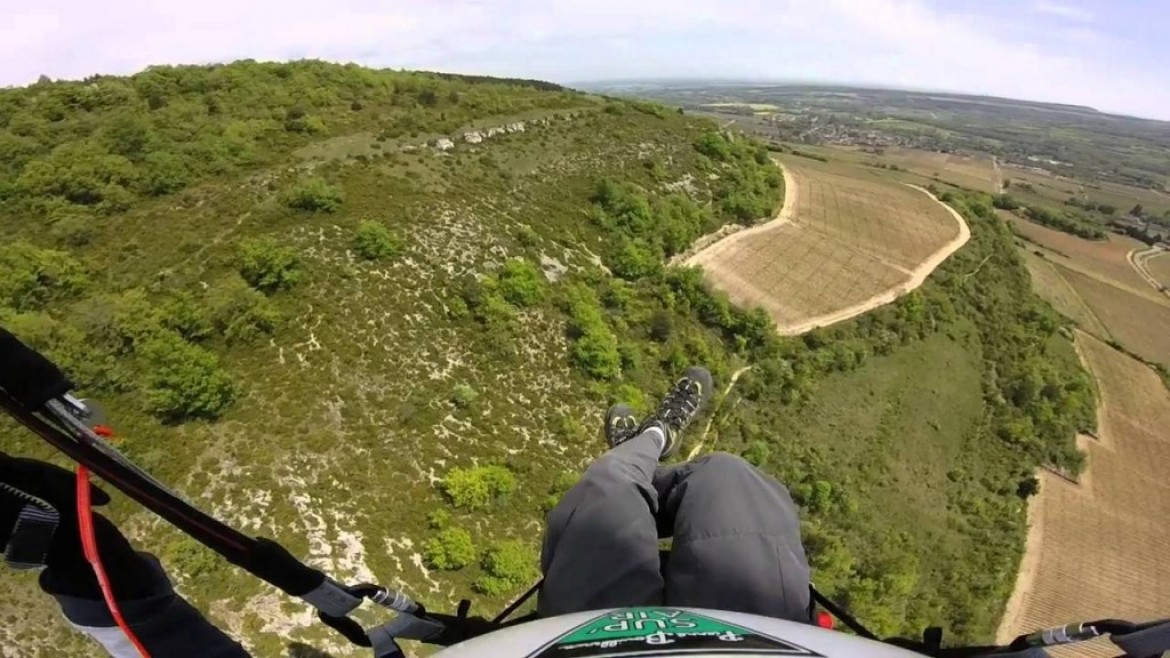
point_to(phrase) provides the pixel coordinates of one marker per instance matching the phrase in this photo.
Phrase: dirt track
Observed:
(708, 247)
(1138, 260)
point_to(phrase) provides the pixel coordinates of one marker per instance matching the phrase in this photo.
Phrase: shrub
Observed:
(464, 396)
(520, 282)
(595, 347)
(714, 146)
(32, 277)
(239, 313)
(165, 173)
(373, 241)
(315, 195)
(596, 354)
(269, 267)
(507, 566)
(559, 488)
(185, 381)
(183, 314)
(757, 453)
(438, 519)
(449, 550)
(477, 487)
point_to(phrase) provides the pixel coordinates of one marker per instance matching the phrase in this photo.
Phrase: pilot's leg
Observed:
(736, 540)
(601, 545)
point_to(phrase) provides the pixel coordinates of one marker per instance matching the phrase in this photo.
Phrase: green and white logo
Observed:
(663, 631)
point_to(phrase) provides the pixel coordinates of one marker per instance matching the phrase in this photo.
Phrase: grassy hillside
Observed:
(318, 324)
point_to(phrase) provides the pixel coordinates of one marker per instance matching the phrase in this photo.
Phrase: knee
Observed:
(724, 463)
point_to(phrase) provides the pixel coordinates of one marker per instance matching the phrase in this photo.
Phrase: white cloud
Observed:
(1061, 10)
(893, 42)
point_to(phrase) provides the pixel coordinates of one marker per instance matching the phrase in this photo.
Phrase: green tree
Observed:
(267, 266)
(184, 381)
(1028, 487)
(1005, 202)
(163, 173)
(373, 241)
(635, 259)
(450, 550)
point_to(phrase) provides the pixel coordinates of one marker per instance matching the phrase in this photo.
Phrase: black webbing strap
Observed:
(1150, 641)
(32, 535)
(29, 377)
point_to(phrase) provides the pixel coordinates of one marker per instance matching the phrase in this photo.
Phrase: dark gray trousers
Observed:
(736, 538)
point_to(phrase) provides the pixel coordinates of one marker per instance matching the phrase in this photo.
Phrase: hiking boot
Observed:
(682, 403)
(620, 425)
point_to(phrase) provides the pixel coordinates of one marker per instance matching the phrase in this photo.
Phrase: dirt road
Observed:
(708, 248)
(706, 430)
(1138, 260)
(917, 278)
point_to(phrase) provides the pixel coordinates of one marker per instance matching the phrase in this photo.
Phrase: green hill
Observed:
(317, 318)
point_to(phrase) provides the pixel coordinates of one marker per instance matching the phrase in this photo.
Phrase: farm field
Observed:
(917, 166)
(974, 172)
(1124, 197)
(1096, 549)
(1159, 267)
(841, 243)
(1102, 259)
(1138, 323)
(1048, 282)
(1045, 187)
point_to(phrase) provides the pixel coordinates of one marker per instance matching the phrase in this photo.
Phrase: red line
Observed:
(90, 548)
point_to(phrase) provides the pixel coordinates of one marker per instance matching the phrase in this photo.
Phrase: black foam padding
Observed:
(27, 376)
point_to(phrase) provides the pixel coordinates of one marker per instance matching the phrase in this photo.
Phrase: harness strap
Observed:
(1148, 642)
(36, 524)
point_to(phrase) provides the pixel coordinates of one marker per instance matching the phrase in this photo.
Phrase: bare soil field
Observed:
(850, 244)
(1097, 549)
(1103, 259)
(1139, 323)
(1048, 282)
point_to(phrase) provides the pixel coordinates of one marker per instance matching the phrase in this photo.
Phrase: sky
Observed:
(1113, 55)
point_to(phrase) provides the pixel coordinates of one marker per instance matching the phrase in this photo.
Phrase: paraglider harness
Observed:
(35, 392)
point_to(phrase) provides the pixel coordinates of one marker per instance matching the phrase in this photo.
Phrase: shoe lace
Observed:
(679, 405)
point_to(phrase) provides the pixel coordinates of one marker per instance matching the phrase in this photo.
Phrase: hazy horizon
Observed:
(1105, 55)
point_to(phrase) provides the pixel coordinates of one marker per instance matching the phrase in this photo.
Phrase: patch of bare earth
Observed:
(841, 246)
